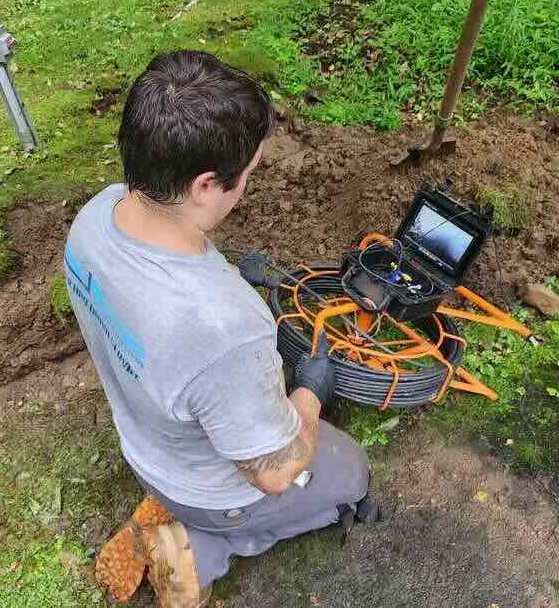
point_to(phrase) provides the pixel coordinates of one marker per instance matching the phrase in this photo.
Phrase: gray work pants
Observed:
(340, 476)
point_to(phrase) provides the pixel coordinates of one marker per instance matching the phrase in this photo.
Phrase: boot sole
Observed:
(172, 568)
(120, 566)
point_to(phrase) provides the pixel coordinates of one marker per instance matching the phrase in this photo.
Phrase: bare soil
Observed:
(317, 191)
(106, 99)
(442, 546)
(30, 333)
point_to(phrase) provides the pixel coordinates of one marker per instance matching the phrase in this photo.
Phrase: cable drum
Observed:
(420, 384)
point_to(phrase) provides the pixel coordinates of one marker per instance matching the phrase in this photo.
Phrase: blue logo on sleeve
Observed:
(88, 292)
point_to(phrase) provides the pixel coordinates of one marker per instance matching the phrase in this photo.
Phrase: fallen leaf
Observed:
(12, 568)
(390, 424)
(481, 496)
(97, 596)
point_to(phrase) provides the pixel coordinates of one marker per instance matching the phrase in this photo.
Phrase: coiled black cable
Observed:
(355, 381)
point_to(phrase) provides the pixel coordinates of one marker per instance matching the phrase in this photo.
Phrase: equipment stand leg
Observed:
(16, 110)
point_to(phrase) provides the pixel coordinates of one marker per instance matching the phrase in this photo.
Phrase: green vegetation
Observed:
(553, 283)
(366, 62)
(61, 472)
(368, 426)
(338, 61)
(521, 427)
(46, 574)
(74, 61)
(291, 570)
(8, 258)
(511, 208)
(60, 298)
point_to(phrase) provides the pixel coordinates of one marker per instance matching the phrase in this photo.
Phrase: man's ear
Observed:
(203, 187)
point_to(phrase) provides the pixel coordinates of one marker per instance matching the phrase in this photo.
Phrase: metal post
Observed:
(16, 109)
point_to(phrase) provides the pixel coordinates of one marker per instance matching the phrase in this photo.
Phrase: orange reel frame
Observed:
(413, 347)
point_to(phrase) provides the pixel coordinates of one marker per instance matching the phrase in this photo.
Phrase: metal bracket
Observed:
(16, 109)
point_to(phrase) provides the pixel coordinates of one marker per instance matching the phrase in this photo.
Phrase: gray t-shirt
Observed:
(186, 352)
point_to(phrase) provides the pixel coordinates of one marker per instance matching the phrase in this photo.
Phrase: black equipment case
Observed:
(408, 275)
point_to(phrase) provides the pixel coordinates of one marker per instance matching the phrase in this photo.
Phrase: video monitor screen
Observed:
(438, 239)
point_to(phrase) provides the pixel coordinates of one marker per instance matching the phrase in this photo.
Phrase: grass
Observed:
(521, 427)
(553, 283)
(288, 566)
(8, 257)
(369, 426)
(336, 61)
(61, 477)
(369, 61)
(60, 298)
(69, 54)
(47, 574)
(511, 209)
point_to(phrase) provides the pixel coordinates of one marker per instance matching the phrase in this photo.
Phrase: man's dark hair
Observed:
(189, 113)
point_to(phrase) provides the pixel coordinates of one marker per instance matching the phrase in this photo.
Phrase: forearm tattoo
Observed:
(296, 451)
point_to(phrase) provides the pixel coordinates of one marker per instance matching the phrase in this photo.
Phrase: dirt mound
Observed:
(30, 333)
(317, 191)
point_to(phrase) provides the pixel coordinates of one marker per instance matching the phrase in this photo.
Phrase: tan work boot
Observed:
(172, 568)
(121, 564)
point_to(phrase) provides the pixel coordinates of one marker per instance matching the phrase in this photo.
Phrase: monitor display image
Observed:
(436, 237)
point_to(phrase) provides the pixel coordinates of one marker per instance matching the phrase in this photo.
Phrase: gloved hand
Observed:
(317, 373)
(252, 266)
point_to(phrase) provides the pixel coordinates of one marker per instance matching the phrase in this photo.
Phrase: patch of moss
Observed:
(511, 208)
(8, 257)
(229, 586)
(46, 574)
(60, 298)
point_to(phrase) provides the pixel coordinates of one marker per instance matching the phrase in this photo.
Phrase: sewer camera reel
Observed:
(393, 340)
(16, 109)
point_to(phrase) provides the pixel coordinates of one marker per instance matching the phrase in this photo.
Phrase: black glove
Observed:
(252, 266)
(317, 373)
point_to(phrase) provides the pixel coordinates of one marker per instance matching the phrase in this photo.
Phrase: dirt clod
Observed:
(105, 99)
(542, 298)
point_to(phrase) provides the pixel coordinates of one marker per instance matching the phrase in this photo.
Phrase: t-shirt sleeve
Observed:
(241, 403)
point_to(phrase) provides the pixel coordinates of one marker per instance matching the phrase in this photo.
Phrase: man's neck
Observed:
(162, 226)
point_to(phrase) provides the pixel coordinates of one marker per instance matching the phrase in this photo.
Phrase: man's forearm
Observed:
(308, 406)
